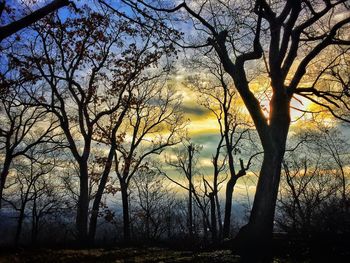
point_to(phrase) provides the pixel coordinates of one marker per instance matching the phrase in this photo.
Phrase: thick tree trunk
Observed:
(219, 219)
(3, 176)
(232, 181)
(2, 186)
(214, 231)
(19, 225)
(228, 207)
(83, 205)
(257, 234)
(98, 197)
(126, 217)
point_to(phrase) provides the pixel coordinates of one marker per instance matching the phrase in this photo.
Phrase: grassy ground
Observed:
(125, 255)
(156, 254)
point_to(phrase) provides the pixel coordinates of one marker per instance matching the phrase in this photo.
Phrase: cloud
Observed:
(195, 110)
(205, 162)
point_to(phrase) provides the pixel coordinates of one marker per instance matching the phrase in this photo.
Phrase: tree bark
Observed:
(233, 178)
(8, 30)
(214, 231)
(19, 225)
(35, 220)
(83, 204)
(228, 206)
(219, 218)
(126, 217)
(98, 197)
(3, 176)
(257, 234)
(230, 184)
(190, 212)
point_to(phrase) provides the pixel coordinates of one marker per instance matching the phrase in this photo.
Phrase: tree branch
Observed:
(12, 28)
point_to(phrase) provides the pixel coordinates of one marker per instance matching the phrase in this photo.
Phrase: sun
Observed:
(299, 106)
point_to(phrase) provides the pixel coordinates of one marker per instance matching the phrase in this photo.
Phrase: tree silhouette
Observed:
(14, 26)
(218, 95)
(87, 67)
(21, 121)
(286, 36)
(154, 123)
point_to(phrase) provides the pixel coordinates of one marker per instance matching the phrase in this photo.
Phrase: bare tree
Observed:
(287, 37)
(214, 187)
(311, 186)
(154, 123)
(19, 122)
(185, 161)
(31, 190)
(155, 201)
(331, 142)
(86, 74)
(218, 95)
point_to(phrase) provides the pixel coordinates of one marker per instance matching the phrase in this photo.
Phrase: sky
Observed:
(203, 127)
